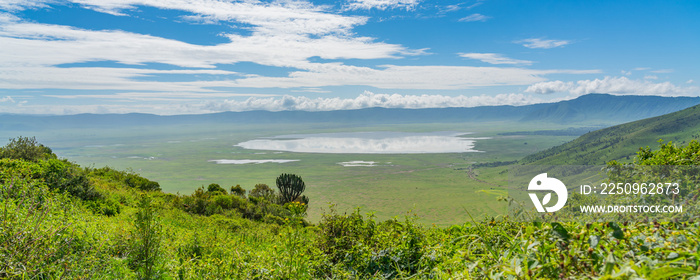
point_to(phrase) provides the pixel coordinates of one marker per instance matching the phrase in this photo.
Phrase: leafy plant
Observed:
(214, 189)
(237, 190)
(25, 148)
(147, 240)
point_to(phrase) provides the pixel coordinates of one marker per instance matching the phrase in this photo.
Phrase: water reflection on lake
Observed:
(367, 143)
(247, 161)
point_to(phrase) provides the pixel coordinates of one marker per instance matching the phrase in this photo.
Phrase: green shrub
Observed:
(147, 240)
(138, 182)
(223, 201)
(272, 219)
(107, 207)
(37, 238)
(67, 177)
(237, 190)
(263, 191)
(214, 188)
(26, 148)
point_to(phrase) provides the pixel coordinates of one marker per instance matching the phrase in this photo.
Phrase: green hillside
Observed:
(621, 142)
(62, 221)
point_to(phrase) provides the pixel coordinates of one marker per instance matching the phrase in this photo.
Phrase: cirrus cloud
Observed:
(475, 17)
(382, 4)
(494, 58)
(537, 43)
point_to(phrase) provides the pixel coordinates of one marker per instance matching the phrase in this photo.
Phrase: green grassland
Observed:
(436, 187)
(61, 221)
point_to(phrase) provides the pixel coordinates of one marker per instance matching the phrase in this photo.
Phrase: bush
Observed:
(64, 176)
(141, 183)
(368, 248)
(263, 191)
(26, 148)
(237, 190)
(223, 201)
(214, 188)
(107, 207)
(38, 240)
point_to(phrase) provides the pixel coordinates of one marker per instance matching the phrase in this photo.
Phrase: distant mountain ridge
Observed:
(601, 108)
(621, 142)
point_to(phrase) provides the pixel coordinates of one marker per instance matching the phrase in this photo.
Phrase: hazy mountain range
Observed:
(599, 109)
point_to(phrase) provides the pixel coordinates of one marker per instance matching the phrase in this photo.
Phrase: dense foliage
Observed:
(27, 149)
(51, 232)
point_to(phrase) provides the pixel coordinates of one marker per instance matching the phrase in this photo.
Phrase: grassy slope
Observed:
(341, 246)
(622, 141)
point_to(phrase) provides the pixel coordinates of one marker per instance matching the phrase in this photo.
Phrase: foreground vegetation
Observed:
(60, 220)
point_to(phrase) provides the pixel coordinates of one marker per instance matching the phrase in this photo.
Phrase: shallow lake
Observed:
(381, 142)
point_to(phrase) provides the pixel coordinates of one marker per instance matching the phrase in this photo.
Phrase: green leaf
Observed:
(619, 234)
(610, 264)
(617, 231)
(560, 231)
(670, 272)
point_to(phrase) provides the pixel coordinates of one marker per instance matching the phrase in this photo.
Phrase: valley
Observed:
(436, 186)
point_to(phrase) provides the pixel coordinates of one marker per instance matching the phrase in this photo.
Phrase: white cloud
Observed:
(494, 58)
(43, 44)
(190, 106)
(366, 100)
(99, 78)
(19, 5)
(472, 6)
(405, 77)
(382, 4)
(279, 17)
(158, 96)
(651, 77)
(475, 17)
(536, 43)
(30, 52)
(450, 8)
(318, 75)
(662, 71)
(613, 85)
(7, 99)
(283, 34)
(689, 81)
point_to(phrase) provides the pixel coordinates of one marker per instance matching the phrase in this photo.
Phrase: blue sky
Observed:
(202, 56)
